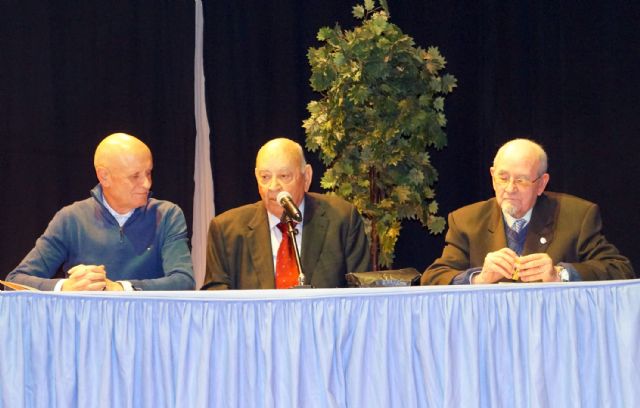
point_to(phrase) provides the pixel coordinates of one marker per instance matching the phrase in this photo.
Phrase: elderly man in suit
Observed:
(525, 233)
(243, 243)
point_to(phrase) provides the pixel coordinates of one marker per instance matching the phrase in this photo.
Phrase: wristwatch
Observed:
(563, 273)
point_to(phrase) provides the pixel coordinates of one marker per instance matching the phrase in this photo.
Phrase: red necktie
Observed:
(286, 267)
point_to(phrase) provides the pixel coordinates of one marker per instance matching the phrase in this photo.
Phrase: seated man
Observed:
(243, 242)
(524, 233)
(120, 238)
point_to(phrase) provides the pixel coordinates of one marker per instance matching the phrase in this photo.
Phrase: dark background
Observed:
(73, 72)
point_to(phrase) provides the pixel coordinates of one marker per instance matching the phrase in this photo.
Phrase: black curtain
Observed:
(73, 72)
(561, 74)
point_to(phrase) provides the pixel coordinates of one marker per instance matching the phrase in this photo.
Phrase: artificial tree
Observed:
(381, 109)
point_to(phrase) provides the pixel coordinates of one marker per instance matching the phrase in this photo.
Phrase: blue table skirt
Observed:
(517, 345)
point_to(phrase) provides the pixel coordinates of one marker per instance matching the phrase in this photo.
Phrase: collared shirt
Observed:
(276, 235)
(509, 220)
(120, 218)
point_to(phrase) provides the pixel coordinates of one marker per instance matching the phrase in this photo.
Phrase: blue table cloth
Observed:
(516, 345)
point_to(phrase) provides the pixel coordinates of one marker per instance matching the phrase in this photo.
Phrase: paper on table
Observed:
(17, 286)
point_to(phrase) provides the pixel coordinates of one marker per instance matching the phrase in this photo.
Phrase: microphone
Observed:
(290, 208)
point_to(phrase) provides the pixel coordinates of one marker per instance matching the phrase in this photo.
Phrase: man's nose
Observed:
(147, 182)
(274, 184)
(511, 185)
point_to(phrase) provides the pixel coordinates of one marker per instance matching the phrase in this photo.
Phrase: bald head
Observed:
(280, 166)
(281, 148)
(117, 146)
(524, 149)
(123, 166)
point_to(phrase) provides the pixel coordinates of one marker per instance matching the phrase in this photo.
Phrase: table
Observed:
(510, 345)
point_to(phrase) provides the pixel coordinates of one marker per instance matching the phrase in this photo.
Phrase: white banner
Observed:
(203, 205)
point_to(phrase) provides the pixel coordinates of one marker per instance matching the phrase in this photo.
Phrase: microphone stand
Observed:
(292, 232)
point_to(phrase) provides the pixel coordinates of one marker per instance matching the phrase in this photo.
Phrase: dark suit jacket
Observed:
(567, 228)
(239, 252)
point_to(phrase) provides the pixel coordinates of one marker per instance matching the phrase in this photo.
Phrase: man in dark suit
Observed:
(524, 233)
(243, 242)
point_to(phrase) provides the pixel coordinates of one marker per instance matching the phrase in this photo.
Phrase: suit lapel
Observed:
(540, 232)
(497, 238)
(313, 235)
(259, 239)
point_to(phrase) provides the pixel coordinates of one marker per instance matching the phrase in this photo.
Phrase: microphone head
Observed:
(282, 196)
(290, 209)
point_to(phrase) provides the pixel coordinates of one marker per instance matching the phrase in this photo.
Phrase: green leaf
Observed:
(324, 33)
(448, 83)
(345, 189)
(328, 180)
(402, 193)
(380, 23)
(386, 204)
(416, 177)
(438, 104)
(436, 225)
(358, 11)
(369, 5)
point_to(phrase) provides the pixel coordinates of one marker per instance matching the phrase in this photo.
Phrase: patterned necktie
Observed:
(518, 224)
(286, 266)
(513, 236)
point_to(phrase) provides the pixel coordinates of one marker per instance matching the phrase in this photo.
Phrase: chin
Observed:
(510, 209)
(275, 210)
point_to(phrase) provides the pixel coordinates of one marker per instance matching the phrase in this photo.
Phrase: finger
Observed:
(539, 266)
(530, 274)
(94, 268)
(78, 269)
(503, 267)
(98, 268)
(540, 258)
(537, 273)
(92, 278)
(95, 286)
(505, 260)
(509, 252)
(82, 285)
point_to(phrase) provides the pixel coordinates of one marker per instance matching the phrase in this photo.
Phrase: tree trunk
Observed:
(374, 197)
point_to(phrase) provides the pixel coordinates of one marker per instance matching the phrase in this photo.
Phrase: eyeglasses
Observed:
(520, 182)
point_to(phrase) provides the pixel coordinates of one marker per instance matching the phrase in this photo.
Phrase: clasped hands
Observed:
(505, 263)
(89, 277)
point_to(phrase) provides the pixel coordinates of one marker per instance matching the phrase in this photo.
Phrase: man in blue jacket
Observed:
(119, 238)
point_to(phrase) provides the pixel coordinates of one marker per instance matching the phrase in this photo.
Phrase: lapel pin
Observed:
(543, 240)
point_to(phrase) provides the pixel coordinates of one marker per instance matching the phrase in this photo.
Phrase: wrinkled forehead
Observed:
(132, 162)
(517, 163)
(278, 159)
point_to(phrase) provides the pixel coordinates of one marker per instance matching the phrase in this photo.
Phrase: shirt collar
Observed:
(273, 220)
(120, 218)
(509, 220)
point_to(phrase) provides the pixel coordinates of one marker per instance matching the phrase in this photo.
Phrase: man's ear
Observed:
(544, 180)
(104, 177)
(308, 174)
